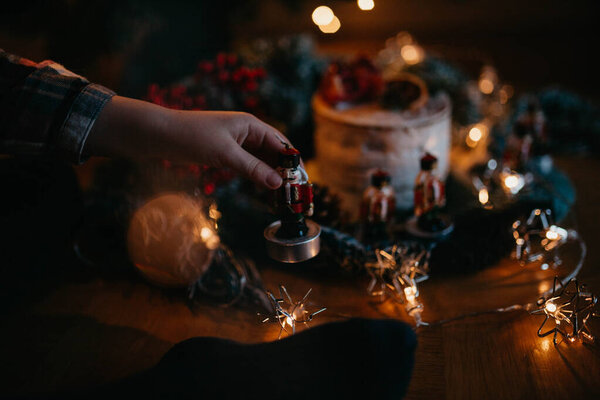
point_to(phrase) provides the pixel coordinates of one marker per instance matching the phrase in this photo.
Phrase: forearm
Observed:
(130, 128)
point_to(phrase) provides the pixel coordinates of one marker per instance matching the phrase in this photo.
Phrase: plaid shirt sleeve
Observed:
(46, 109)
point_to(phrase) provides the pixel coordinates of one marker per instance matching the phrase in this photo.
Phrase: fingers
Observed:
(251, 167)
(264, 141)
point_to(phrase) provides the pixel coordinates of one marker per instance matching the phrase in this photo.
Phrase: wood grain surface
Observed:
(82, 333)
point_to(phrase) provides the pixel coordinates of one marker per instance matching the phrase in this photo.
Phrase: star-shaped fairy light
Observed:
(289, 313)
(538, 239)
(395, 274)
(569, 308)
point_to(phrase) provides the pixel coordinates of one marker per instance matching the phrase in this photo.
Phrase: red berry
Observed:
(206, 67)
(221, 60)
(209, 188)
(223, 76)
(251, 86)
(232, 59)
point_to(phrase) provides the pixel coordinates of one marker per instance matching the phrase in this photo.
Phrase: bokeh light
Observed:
(332, 27)
(412, 54)
(322, 16)
(366, 5)
(486, 86)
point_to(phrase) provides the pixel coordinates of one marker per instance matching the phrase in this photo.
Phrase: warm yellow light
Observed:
(322, 15)
(484, 196)
(332, 27)
(475, 134)
(550, 307)
(486, 86)
(289, 321)
(365, 5)
(511, 181)
(409, 293)
(206, 233)
(411, 54)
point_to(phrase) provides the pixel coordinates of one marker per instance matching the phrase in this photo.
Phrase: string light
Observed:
(412, 54)
(476, 133)
(512, 181)
(289, 313)
(366, 5)
(322, 15)
(332, 27)
(487, 80)
(486, 86)
(396, 274)
(484, 196)
(569, 307)
(538, 239)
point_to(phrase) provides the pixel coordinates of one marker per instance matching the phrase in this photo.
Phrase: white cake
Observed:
(352, 141)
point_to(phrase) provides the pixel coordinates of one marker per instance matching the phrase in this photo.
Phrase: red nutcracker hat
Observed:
(428, 162)
(380, 178)
(289, 157)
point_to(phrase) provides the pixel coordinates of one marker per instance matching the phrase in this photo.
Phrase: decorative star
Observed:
(584, 303)
(555, 308)
(396, 274)
(570, 308)
(289, 313)
(381, 272)
(538, 239)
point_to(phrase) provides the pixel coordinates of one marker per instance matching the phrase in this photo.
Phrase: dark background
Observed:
(127, 44)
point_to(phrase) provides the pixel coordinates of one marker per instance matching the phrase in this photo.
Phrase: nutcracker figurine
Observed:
(377, 206)
(430, 198)
(293, 238)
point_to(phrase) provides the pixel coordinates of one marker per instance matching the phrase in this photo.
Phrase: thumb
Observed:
(251, 167)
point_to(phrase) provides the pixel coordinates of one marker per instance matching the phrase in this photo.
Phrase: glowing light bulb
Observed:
(484, 196)
(550, 307)
(475, 134)
(332, 27)
(486, 86)
(511, 181)
(552, 235)
(409, 293)
(411, 54)
(322, 15)
(205, 233)
(289, 321)
(365, 5)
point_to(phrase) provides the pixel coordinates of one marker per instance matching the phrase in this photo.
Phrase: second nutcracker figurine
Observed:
(377, 207)
(430, 199)
(293, 238)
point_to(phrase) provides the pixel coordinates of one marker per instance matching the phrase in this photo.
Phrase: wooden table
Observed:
(84, 333)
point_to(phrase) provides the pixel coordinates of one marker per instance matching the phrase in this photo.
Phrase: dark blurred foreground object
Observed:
(358, 358)
(40, 208)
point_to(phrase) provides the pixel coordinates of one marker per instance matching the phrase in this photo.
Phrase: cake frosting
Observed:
(351, 141)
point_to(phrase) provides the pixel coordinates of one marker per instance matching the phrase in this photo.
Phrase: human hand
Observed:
(235, 140)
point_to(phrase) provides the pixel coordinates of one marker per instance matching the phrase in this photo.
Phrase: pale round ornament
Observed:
(171, 241)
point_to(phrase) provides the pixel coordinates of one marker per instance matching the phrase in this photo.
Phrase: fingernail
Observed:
(274, 180)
